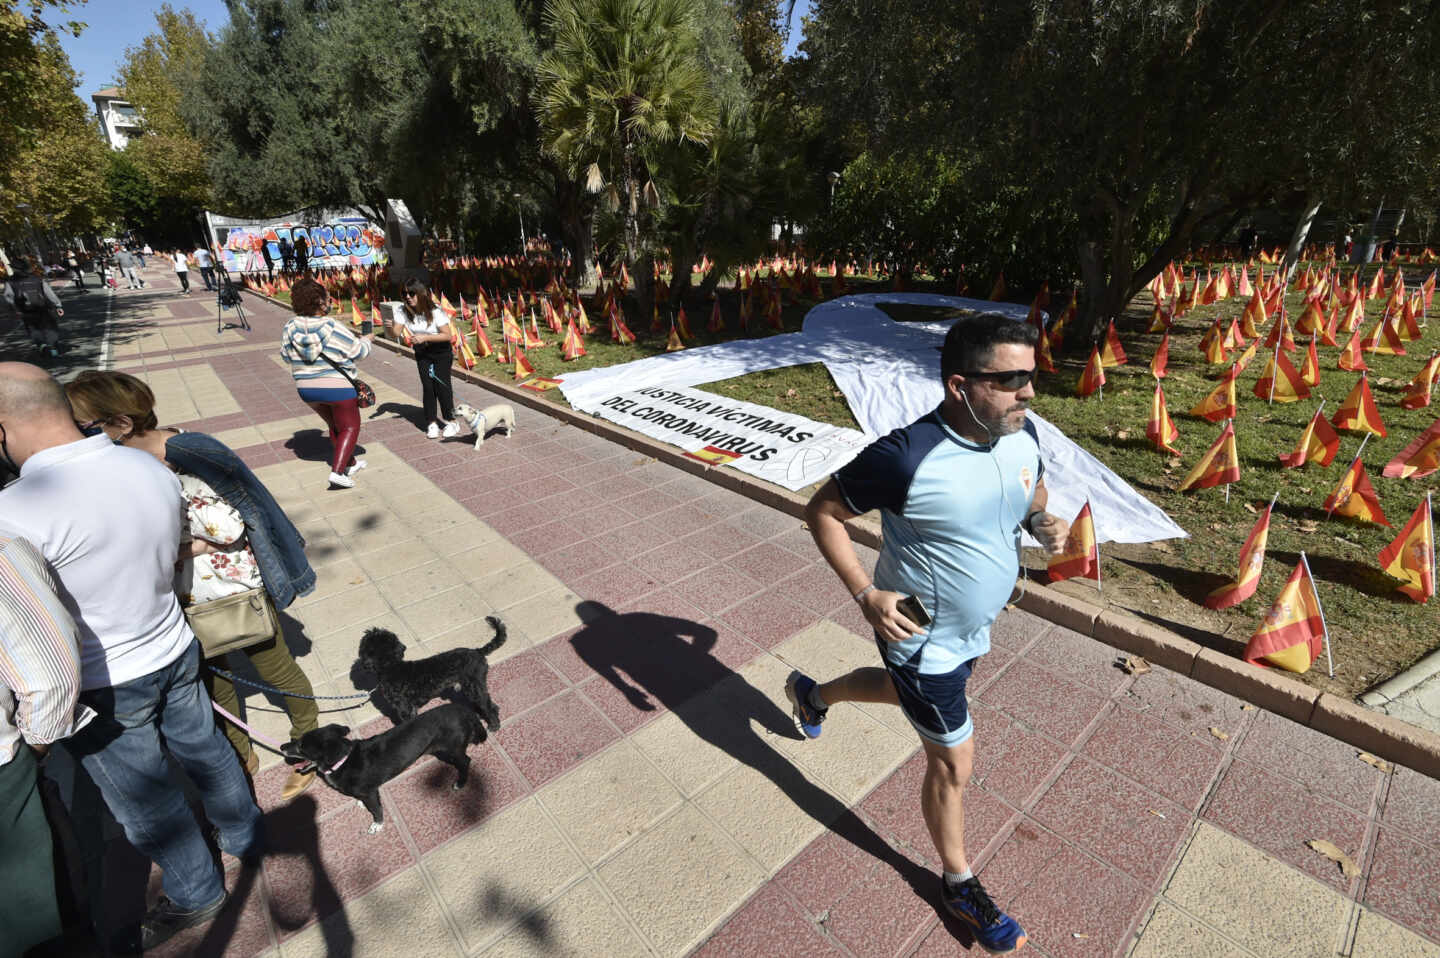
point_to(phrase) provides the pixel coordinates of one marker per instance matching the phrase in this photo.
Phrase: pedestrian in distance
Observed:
(322, 355)
(302, 254)
(430, 332)
(239, 539)
(72, 260)
(287, 255)
(182, 269)
(139, 252)
(269, 260)
(126, 261)
(38, 306)
(39, 706)
(954, 489)
(107, 521)
(207, 265)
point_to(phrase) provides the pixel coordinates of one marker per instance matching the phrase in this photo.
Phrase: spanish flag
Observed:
(1419, 459)
(1093, 377)
(1252, 559)
(1310, 366)
(1384, 339)
(1161, 359)
(714, 455)
(1354, 315)
(581, 318)
(1234, 339)
(1358, 412)
(522, 364)
(1246, 356)
(1243, 287)
(1219, 466)
(1044, 361)
(1080, 559)
(717, 320)
(1293, 633)
(1160, 429)
(1355, 496)
(1411, 556)
(444, 304)
(1281, 334)
(1214, 348)
(355, 318)
(1351, 357)
(1312, 320)
(482, 342)
(1418, 393)
(1280, 381)
(572, 347)
(1254, 316)
(1159, 318)
(1113, 354)
(1318, 444)
(1329, 331)
(673, 343)
(1220, 404)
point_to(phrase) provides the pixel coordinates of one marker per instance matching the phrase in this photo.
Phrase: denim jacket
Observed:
(278, 546)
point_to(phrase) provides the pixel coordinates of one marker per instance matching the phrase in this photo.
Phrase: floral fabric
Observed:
(232, 568)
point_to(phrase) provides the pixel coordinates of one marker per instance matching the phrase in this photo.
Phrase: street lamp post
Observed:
(521, 213)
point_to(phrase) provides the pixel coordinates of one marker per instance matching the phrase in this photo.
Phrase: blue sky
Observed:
(115, 25)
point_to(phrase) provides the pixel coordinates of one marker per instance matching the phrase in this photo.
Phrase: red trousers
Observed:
(343, 418)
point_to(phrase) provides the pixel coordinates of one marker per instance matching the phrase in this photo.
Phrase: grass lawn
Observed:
(1375, 631)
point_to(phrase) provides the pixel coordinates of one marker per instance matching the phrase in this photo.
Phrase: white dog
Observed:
(481, 421)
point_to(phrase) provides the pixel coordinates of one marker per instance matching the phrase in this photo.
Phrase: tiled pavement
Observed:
(648, 793)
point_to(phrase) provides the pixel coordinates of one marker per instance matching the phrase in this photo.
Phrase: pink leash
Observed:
(271, 744)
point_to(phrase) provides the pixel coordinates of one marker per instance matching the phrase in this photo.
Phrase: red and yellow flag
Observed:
(1220, 404)
(1160, 429)
(1044, 361)
(482, 342)
(1214, 348)
(1383, 339)
(1318, 444)
(714, 455)
(1281, 334)
(1094, 375)
(1419, 459)
(1355, 496)
(1310, 367)
(1293, 633)
(1161, 359)
(1358, 412)
(1112, 353)
(1219, 465)
(1252, 559)
(522, 364)
(1280, 381)
(674, 343)
(1080, 559)
(997, 292)
(1312, 320)
(1417, 394)
(1411, 555)
(572, 347)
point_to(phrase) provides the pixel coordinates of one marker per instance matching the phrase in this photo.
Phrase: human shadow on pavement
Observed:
(412, 414)
(658, 659)
(313, 445)
(292, 830)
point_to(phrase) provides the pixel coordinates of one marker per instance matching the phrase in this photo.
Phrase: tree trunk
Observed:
(712, 280)
(1302, 232)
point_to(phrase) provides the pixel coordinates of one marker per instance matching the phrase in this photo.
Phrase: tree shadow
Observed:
(655, 659)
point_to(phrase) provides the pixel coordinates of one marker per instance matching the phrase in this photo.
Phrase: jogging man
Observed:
(954, 489)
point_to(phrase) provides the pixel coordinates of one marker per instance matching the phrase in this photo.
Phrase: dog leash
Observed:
(271, 744)
(289, 695)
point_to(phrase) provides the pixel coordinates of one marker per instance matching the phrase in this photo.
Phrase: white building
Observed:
(118, 119)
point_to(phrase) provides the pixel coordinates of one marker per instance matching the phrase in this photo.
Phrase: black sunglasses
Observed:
(1010, 380)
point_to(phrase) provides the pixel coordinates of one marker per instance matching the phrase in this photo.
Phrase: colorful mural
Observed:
(338, 241)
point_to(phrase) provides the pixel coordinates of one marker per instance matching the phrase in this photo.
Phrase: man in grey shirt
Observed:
(126, 261)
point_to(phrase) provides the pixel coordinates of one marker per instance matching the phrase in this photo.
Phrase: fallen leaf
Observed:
(1249, 507)
(1079, 934)
(791, 393)
(1133, 665)
(1376, 761)
(1220, 734)
(359, 581)
(1387, 381)
(1309, 525)
(1333, 852)
(1247, 707)
(1123, 434)
(1155, 813)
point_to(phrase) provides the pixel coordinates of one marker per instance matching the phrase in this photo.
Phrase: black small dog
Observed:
(406, 686)
(358, 767)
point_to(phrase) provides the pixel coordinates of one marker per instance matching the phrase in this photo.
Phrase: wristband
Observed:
(861, 594)
(1028, 523)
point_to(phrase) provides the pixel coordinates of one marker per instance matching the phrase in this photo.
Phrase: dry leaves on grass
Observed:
(1333, 852)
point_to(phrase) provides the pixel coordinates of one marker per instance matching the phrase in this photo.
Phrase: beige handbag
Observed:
(234, 622)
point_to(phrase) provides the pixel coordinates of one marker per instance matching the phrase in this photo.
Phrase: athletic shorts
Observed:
(934, 702)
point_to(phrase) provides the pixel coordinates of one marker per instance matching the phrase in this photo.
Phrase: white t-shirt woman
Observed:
(182, 264)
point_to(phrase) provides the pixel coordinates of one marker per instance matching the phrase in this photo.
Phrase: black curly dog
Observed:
(358, 767)
(407, 686)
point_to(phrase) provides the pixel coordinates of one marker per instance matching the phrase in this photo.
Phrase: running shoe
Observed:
(451, 429)
(344, 482)
(797, 689)
(433, 431)
(995, 931)
(355, 467)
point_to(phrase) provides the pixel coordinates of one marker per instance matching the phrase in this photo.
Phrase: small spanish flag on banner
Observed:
(1411, 556)
(1113, 354)
(714, 456)
(1093, 377)
(1161, 359)
(1318, 443)
(1252, 559)
(1160, 429)
(1358, 412)
(1220, 404)
(1280, 382)
(1220, 464)
(1080, 559)
(1419, 459)
(540, 384)
(1354, 496)
(1310, 367)
(1293, 633)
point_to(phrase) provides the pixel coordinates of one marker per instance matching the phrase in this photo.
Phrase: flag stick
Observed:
(1275, 361)
(1430, 521)
(1099, 586)
(1331, 510)
(1329, 660)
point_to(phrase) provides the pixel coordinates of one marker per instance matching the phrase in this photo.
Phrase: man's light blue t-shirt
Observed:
(951, 511)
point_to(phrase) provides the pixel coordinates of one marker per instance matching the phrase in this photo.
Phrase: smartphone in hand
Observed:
(367, 326)
(914, 610)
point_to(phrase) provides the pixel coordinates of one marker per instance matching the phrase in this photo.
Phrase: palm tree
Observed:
(623, 78)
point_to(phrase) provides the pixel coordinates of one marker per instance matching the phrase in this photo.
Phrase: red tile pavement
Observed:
(1403, 881)
(1319, 763)
(1012, 760)
(1042, 700)
(1413, 805)
(555, 737)
(1160, 757)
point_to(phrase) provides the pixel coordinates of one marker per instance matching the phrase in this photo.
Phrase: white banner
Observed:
(779, 447)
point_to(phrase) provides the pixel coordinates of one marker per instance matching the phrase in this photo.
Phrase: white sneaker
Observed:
(451, 429)
(344, 482)
(433, 432)
(355, 467)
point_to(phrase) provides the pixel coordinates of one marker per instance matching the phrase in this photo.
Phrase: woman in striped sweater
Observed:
(310, 343)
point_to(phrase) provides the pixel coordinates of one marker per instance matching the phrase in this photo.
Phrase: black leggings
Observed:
(439, 357)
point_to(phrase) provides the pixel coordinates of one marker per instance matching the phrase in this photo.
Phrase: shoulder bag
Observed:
(364, 395)
(234, 622)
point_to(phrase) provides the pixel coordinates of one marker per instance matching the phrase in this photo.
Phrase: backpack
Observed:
(27, 302)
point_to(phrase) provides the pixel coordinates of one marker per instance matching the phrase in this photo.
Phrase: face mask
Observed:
(9, 471)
